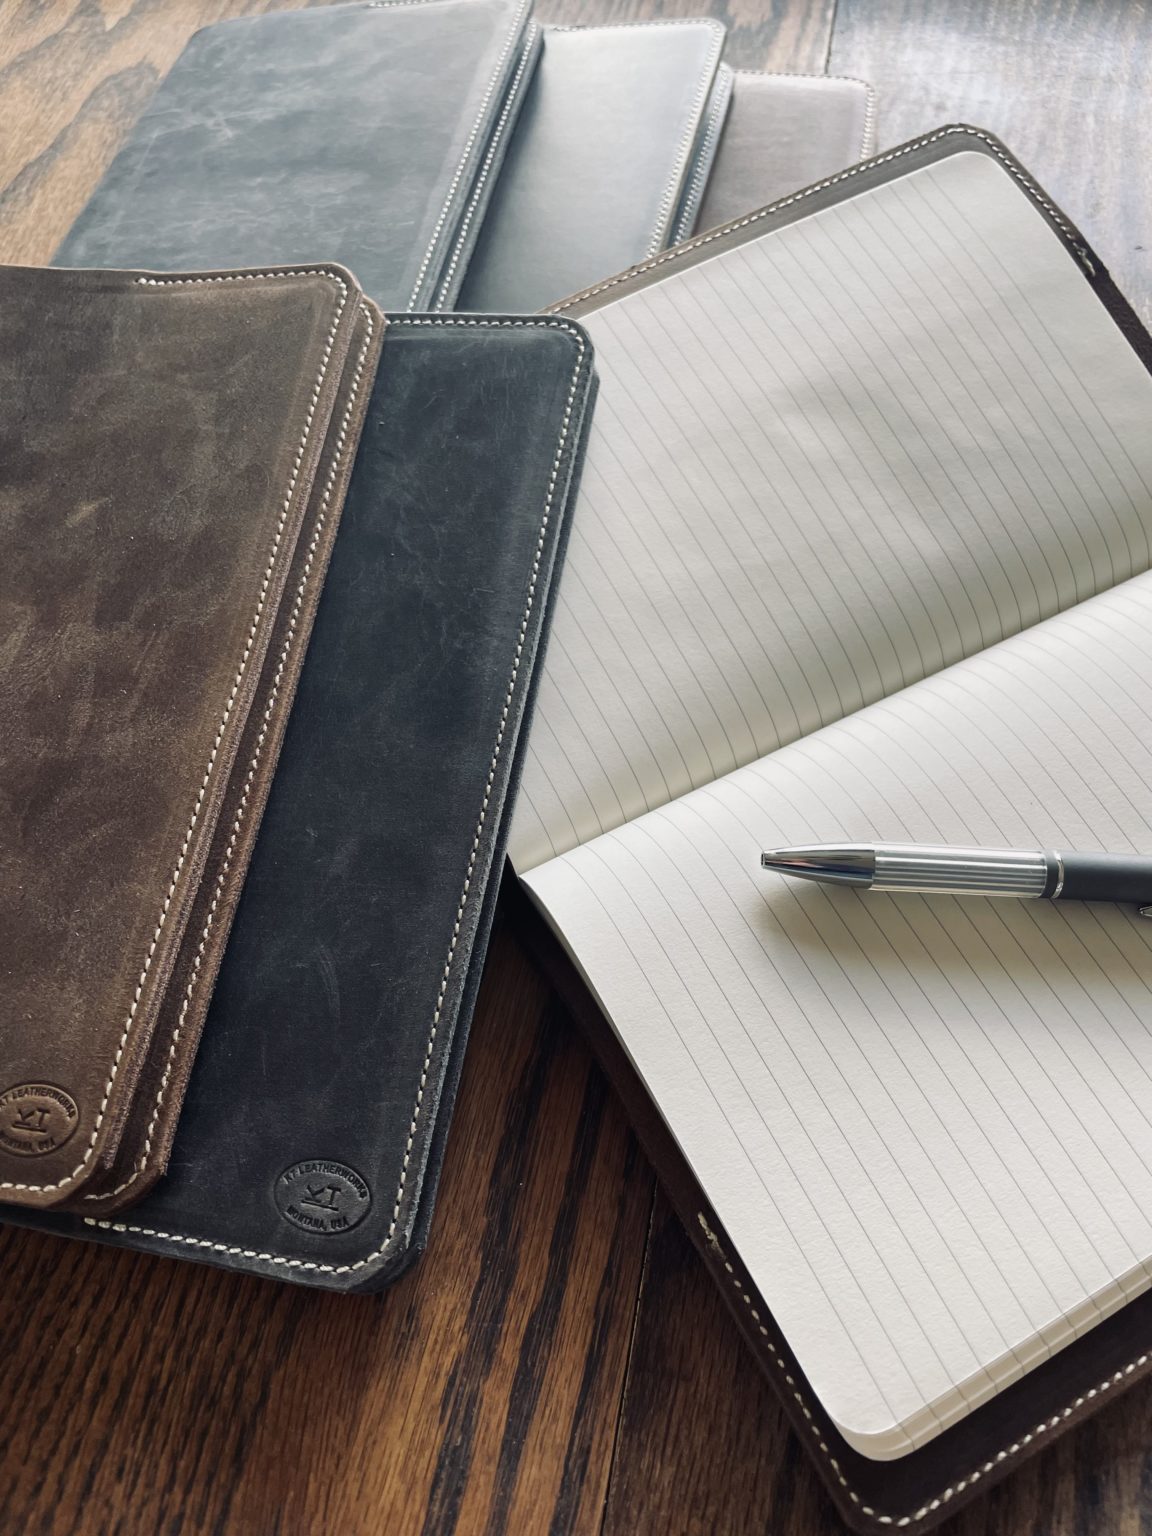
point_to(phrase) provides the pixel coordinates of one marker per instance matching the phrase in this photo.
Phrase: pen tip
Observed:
(828, 862)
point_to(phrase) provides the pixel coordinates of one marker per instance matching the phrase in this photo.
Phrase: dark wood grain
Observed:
(479, 1395)
(1065, 84)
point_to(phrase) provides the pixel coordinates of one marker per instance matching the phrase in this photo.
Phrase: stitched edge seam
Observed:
(644, 26)
(1025, 181)
(901, 1521)
(684, 148)
(515, 34)
(254, 763)
(705, 161)
(157, 282)
(494, 145)
(511, 100)
(546, 517)
(868, 131)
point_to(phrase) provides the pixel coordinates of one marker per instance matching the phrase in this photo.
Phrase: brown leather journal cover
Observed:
(176, 451)
(916, 1491)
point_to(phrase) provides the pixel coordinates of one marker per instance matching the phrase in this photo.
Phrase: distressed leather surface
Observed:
(597, 161)
(166, 450)
(338, 1022)
(783, 132)
(348, 133)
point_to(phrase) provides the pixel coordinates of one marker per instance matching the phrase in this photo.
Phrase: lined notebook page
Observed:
(823, 465)
(926, 1123)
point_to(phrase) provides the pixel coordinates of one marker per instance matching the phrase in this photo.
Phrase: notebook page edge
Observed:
(872, 1435)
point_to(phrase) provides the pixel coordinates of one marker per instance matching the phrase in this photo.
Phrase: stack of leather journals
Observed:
(835, 515)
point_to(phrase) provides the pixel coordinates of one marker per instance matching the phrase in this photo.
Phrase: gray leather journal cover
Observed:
(597, 161)
(349, 133)
(782, 132)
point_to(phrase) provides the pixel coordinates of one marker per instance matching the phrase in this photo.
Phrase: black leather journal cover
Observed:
(316, 1111)
(348, 133)
(597, 161)
(915, 1491)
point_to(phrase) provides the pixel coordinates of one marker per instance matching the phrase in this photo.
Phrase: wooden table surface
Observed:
(558, 1362)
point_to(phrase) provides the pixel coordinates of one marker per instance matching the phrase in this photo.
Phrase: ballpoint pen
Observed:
(920, 867)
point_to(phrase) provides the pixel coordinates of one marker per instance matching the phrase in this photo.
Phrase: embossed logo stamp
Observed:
(36, 1118)
(322, 1197)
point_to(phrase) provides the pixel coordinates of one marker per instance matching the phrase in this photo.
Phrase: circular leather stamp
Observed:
(322, 1197)
(36, 1118)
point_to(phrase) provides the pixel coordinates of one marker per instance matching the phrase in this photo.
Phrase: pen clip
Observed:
(1144, 911)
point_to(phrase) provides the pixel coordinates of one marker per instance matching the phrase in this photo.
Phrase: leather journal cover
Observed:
(597, 161)
(947, 237)
(781, 132)
(316, 1113)
(351, 133)
(177, 450)
(704, 156)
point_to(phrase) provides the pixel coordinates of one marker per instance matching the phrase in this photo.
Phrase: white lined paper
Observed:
(823, 465)
(926, 1123)
(851, 490)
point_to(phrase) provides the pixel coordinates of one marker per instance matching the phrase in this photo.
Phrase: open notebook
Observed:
(862, 551)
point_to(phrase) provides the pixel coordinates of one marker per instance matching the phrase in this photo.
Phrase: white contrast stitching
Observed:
(546, 517)
(514, 35)
(798, 197)
(866, 135)
(684, 148)
(156, 282)
(868, 132)
(512, 100)
(245, 277)
(949, 1493)
(513, 93)
(707, 153)
(636, 26)
(254, 763)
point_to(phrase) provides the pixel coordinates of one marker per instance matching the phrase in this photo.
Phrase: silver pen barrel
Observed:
(925, 868)
(959, 871)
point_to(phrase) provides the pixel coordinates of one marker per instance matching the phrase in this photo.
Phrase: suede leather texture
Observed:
(337, 1027)
(597, 162)
(349, 133)
(167, 452)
